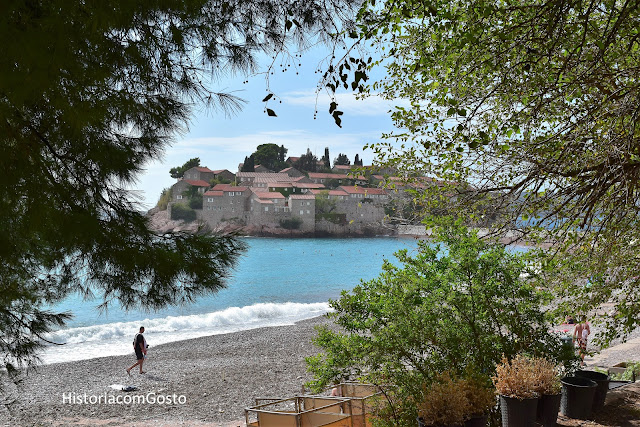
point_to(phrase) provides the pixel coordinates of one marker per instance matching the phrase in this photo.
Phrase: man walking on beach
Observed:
(140, 347)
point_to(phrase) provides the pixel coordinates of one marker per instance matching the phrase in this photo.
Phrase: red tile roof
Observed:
(302, 197)
(214, 193)
(197, 183)
(307, 185)
(203, 169)
(362, 190)
(229, 187)
(321, 175)
(330, 192)
(268, 194)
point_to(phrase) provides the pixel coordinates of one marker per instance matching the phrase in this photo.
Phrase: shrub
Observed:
(183, 212)
(195, 202)
(457, 307)
(292, 223)
(165, 198)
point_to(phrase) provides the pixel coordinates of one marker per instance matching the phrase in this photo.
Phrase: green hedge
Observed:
(183, 212)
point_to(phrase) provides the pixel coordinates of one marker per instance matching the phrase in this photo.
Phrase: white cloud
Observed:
(373, 105)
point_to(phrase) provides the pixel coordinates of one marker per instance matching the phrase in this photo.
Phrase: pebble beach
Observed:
(212, 379)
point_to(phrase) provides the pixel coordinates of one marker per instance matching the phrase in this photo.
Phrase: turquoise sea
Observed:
(276, 282)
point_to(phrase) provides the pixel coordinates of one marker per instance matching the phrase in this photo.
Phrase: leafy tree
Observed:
(90, 92)
(178, 171)
(534, 106)
(342, 159)
(324, 204)
(268, 155)
(282, 154)
(248, 165)
(307, 162)
(457, 305)
(326, 159)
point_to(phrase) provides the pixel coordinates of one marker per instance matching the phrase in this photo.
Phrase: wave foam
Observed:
(115, 338)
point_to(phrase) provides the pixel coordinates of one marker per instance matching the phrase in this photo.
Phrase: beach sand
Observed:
(218, 376)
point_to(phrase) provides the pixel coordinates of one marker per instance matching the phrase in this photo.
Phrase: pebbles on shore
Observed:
(216, 377)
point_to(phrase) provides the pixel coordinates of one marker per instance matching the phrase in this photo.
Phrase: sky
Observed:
(223, 142)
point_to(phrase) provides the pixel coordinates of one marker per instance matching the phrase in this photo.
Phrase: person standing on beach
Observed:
(580, 334)
(140, 347)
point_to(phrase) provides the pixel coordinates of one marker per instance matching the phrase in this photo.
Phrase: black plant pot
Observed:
(548, 408)
(479, 421)
(577, 397)
(601, 390)
(518, 413)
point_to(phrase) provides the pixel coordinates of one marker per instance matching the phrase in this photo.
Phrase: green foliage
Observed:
(269, 155)
(165, 198)
(457, 305)
(90, 94)
(326, 159)
(249, 164)
(181, 211)
(324, 204)
(342, 159)
(532, 105)
(307, 162)
(292, 223)
(335, 183)
(178, 171)
(195, 201)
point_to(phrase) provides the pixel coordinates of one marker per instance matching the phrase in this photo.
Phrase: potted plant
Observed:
(549, 388)
(444, 403)
(481, 399)
(516, 383)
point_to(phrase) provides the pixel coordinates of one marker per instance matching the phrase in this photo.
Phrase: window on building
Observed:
(209, 199)
(308, 203)
(266, 208)
(179, 197)
(308, 212)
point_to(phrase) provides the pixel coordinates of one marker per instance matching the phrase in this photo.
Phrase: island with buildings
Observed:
(344, 201)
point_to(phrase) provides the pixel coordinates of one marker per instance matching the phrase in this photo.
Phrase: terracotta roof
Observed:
(281, 176)
(307, 185)
(229, 187)
(362, 190)
(221, 170)
(281, 184)
(274, 177)
(342, 167)
(302, 196)
(267, 194)
(214, 193)
(203, 169)
(321, 175)
(330, 192)
(197, 183)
